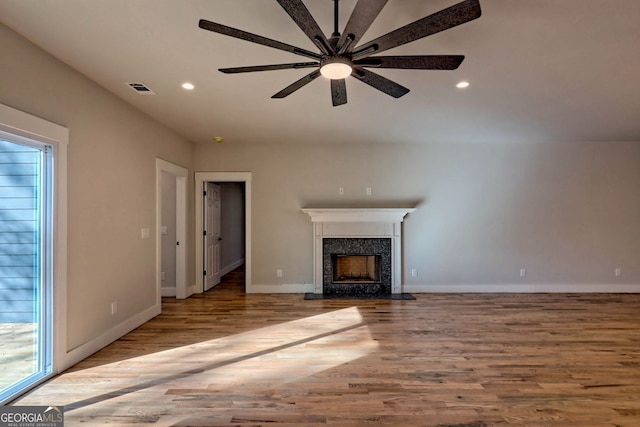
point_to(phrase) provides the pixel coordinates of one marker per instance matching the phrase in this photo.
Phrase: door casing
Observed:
(19, 123)
(200, 179)
(181, 174)
(213, 239)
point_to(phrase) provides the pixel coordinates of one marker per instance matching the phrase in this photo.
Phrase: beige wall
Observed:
(111, 185)
(568, 212)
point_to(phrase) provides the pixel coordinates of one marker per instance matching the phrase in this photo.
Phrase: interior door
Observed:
(212, 235)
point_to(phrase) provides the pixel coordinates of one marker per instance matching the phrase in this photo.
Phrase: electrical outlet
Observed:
(369, 191)
(145, 233)
(162, 275)
(523, 272)
(341, 191)
(414, 272)
(114, 307)
(617, 272)
(279, 273)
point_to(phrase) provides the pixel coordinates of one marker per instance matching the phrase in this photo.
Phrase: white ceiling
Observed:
(540, 70)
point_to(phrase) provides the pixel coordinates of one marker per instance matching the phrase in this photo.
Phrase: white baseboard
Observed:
(229, 268)
(169, 291)
(282, 289)
(85, 350)
(520, 288)
(617, 288)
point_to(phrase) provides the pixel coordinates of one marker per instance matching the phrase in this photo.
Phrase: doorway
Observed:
(171, 200)
(33, 250)
(212, 234)
(231, 253)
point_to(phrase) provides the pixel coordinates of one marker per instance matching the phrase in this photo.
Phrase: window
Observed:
(32, 272)
(25, 262)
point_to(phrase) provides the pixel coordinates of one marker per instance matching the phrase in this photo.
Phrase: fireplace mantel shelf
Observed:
(388, 215)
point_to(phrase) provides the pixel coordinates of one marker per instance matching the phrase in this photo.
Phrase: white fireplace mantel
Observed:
(388, 215)
(355, 223)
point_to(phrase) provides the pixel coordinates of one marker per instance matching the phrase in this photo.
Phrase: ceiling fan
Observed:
(340, 56)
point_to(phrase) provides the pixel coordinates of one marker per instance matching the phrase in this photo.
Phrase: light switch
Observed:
(163, 230)
(146, 233)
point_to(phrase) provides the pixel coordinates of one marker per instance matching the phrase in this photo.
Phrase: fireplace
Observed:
(369, 235)
(356, 266)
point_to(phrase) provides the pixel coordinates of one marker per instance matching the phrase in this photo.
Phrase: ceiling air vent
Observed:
(141, 88)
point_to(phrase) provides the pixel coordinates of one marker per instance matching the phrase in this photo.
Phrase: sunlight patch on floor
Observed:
(262, 358)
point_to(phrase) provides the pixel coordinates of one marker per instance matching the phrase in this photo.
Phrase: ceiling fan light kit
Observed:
(340, 55)
(336, 68)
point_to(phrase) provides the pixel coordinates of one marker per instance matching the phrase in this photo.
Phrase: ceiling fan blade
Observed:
(254, 38)
(455, 15)
(363, 15)
(417, 62)
(253, 68)
(298, 84)
(303, 18)
(338, 92)
(383, 84)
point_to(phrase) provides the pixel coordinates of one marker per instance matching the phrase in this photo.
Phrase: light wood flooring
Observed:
(443, 360)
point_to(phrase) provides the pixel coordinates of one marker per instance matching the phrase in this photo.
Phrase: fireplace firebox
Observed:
(357, 266)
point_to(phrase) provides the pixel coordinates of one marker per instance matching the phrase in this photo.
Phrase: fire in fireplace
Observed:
(356, 268)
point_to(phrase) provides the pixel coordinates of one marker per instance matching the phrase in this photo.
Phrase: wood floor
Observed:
(444, 360)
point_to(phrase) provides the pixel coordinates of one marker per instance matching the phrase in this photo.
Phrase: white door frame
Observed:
(19, 123)
(200, 179)
(181, 175)
(211, 253)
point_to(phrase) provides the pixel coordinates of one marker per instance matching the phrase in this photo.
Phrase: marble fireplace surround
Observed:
(357, 223)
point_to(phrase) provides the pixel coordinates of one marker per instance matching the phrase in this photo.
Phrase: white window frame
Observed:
(21, 124)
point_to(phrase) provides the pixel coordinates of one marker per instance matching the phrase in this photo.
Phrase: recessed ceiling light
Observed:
(462, 85)
(187, 86)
